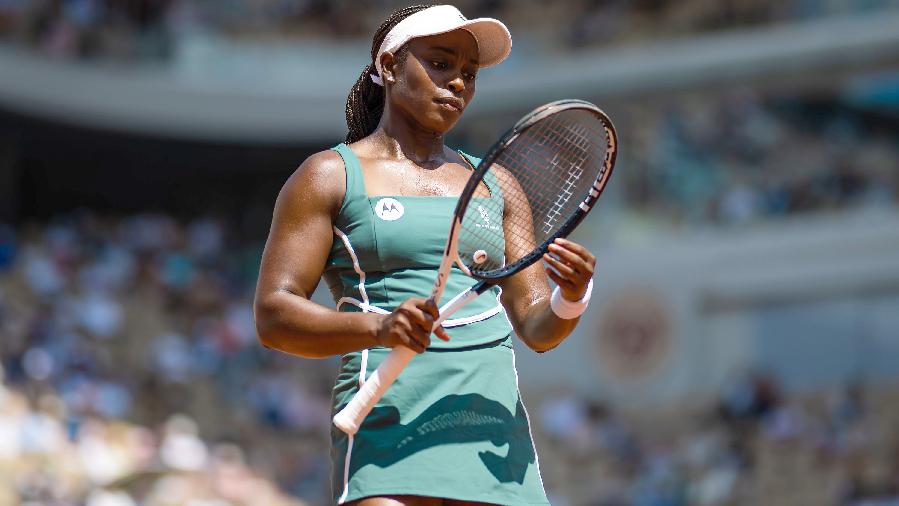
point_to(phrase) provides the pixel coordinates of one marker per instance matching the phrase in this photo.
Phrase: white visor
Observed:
(493, 38)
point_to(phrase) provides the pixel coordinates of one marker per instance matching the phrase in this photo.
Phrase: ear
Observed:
(388, 67)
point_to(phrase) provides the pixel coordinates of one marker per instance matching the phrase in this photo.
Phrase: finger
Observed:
(405, 328)
(419, 326)
(441, 333)
(557, 279)
(572, 258)
(404, 335)
(420, 319)
(411, 335)
(563, 269)
(573, 246)
(581, 251)
(413, 302)
(423, 337)
(430, 307)
(414, 345)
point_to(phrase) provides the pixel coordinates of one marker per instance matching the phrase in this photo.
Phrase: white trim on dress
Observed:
(364, 363)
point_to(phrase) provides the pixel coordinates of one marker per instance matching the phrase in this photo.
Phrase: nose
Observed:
(457, 85)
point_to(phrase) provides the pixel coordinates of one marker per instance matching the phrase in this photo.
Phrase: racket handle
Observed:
(350, 418)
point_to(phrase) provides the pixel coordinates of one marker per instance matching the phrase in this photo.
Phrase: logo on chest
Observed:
(389, 209)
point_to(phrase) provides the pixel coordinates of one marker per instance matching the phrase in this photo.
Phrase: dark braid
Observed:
(365, 104)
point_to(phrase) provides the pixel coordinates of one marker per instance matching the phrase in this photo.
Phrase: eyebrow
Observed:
(452, 52)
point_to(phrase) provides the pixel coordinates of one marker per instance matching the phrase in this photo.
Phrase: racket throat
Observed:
(459, 301)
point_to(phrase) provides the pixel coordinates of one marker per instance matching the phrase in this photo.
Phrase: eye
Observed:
(470, 76)
(439, 65)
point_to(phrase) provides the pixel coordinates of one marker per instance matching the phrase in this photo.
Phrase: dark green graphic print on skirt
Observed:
(453, 425)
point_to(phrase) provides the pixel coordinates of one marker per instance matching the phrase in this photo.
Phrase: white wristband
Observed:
(566, 309)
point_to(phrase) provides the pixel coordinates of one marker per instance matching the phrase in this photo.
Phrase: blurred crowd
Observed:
(131, 374)
(148, 29)
(735, 157)
(758, 446)
(50, 456)
(124, 336)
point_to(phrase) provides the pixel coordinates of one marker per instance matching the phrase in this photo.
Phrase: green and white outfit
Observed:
(453, 425)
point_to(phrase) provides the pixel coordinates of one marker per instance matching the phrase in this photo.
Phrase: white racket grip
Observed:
(350, 418)
(455, 304)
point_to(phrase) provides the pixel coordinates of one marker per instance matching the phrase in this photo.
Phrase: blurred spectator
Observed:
(738, 157)
(148, 30)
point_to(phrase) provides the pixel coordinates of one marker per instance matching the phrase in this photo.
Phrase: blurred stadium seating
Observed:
(144, 29)
(741, 156)
(142, 144)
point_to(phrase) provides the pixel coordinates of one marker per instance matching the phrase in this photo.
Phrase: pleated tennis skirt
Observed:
(452, 426)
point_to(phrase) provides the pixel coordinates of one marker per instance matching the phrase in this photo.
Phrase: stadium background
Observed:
(743, 344)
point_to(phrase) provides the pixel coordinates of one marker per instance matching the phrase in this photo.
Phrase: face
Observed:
(436, 81)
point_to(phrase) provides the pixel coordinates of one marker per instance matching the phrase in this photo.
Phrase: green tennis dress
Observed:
(453, 425)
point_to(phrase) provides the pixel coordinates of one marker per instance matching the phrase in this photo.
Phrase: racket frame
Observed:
(496, 151)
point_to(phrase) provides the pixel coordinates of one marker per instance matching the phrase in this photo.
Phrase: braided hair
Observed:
(365, 104)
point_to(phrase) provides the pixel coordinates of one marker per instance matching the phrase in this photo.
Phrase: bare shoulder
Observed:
(319, 171)
(320, 180)
(500, 171)
(506, 179)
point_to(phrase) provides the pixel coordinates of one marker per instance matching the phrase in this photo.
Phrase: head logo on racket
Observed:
(389, 209)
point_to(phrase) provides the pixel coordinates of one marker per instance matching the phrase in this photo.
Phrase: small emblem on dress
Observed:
(389, 209)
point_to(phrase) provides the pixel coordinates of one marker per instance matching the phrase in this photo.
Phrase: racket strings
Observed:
(542, 177)
(578, 141)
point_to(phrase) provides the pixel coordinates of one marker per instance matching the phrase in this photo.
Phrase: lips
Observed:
(451, 102)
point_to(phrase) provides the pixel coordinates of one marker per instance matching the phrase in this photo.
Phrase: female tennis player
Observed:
(371, 216)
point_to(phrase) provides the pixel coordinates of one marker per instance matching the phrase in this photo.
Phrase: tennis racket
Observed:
(534, 185)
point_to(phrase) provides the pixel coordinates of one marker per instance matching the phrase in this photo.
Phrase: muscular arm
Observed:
(292, 263)
(526, 295)
(295, 254)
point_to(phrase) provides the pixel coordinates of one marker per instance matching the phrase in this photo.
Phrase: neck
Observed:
(404, 139)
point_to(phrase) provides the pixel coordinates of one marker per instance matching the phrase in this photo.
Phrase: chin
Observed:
(439, 124)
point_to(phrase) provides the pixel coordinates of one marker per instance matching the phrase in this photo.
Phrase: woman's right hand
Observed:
(410, 325)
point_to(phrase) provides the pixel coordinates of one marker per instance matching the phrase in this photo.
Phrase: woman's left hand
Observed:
(573, 269)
